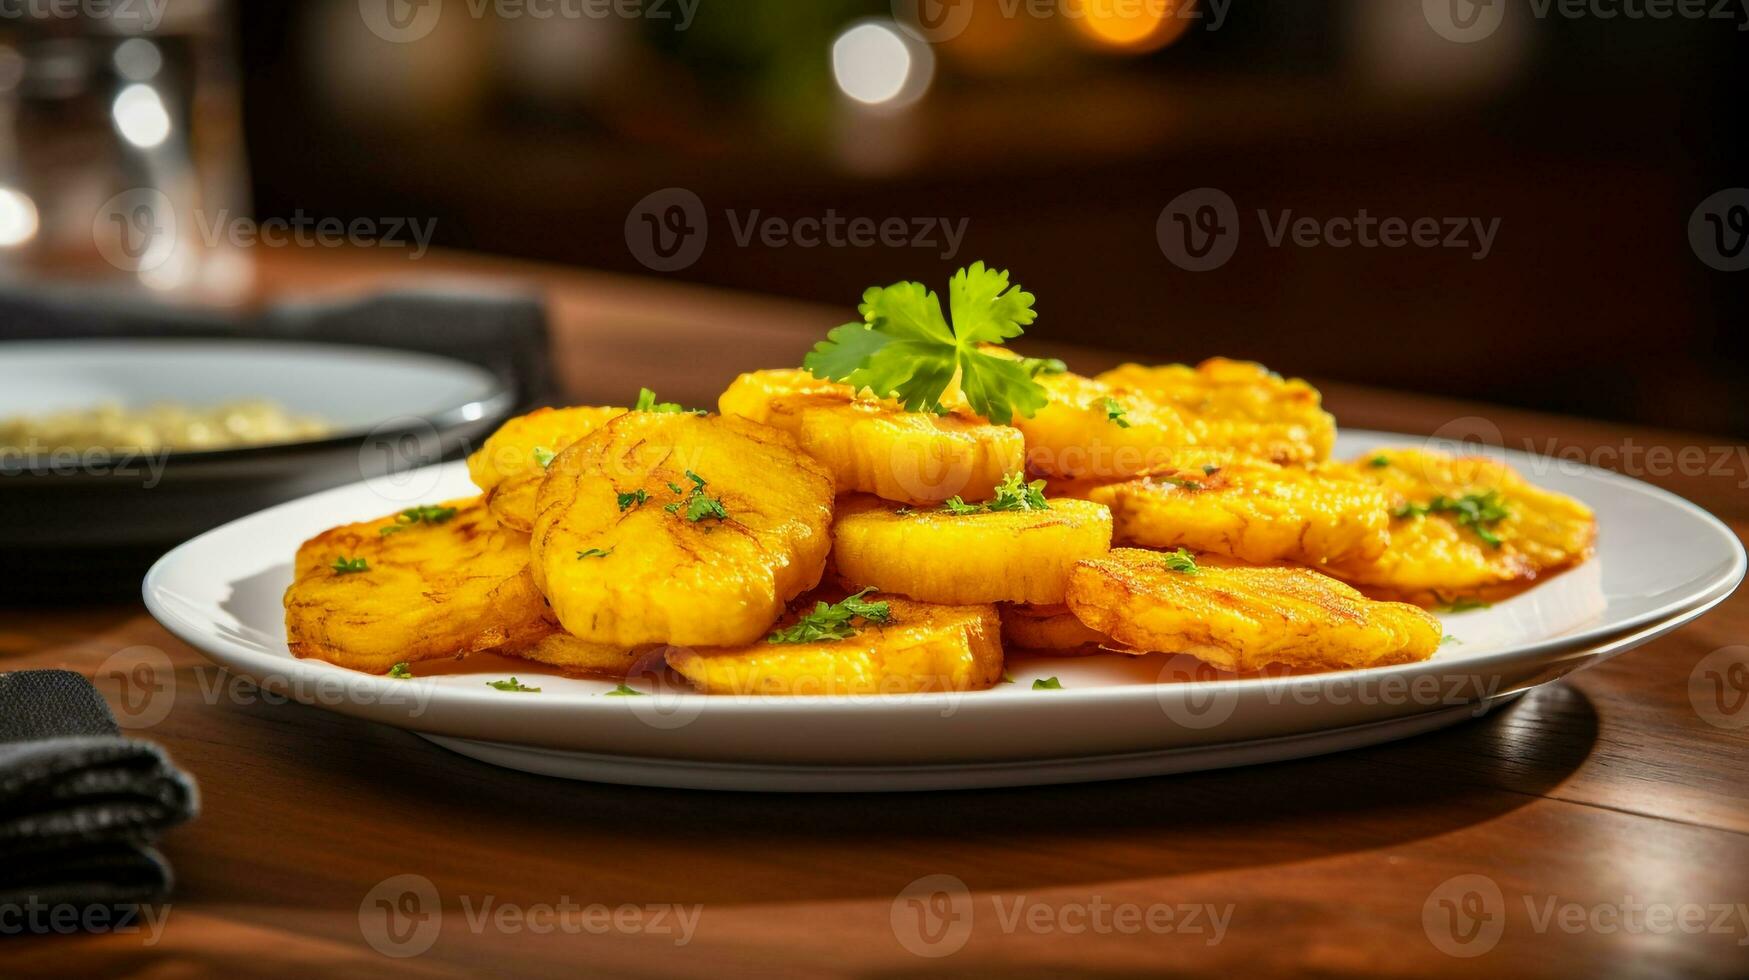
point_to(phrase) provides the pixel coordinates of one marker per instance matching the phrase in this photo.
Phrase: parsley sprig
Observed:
(544, 456)
(834, 622)
(348, 566)
(633, 499)
(904, 347)
(697, 504)
(1476, 511)
(513, 685)
(1014, 493)
(1115, 412)
(400, 672)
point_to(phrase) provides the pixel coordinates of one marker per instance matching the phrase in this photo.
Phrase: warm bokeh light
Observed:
(874, 63)
(18, 220)
(1131, 25)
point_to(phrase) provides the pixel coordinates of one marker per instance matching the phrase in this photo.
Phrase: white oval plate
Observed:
(1660, 561)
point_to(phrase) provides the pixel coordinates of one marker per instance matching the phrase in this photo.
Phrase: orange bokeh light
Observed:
(1131, 25)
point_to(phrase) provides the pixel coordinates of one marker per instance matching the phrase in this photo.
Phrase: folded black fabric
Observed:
(80, 804)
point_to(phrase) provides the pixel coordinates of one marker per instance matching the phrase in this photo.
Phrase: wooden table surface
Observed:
(1604, 794)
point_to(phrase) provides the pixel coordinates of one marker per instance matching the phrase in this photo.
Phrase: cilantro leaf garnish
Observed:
(1014, 493)
(513, 685)
(633, 499)
(422, 514)
(622, 691)
(647, 403)
(1114, 413)
(1181, 561)
(904, 347)
(594, 553)
(697, 504)
(1379, 462)
(1476, 511)
(544, 456)
(347, 566)
(833, 622)
(1047, 684)
(400, 672)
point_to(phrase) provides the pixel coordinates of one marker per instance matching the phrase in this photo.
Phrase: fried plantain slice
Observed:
(677, 528)
(1047, 628)
(1243, 617)
(1019, 555)
(873, 445)
(581, 657)
(509, 466)
(1095, 431)
(1239, 406)
(920, 647)
(1246, 508)
(433, 581)
(1464, 523)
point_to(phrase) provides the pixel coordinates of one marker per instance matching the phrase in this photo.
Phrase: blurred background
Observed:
(1049, 134)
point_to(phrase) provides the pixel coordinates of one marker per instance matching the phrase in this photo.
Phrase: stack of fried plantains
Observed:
(853, 529)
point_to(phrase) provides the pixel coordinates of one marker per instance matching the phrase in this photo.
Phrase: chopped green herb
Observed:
(1047, 684)
(1007, 678)
(833, 622)
(622, 691)
(1379, 462)
(347, 566)
(1181, 561)
(544, 456)
(1448, 638)
(422, 514)
(1013, 494)
(1210, 469)
(1114, 413)
(1457, 604)
(633, 499)
(594, 553)
(647, 403)
(904, 347)
(400, 672)
(513, 685)
(698, 505)
(1036, 366)
(1181, 482)
(1476, 511)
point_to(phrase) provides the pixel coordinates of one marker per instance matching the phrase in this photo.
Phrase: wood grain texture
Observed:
(1606, 787)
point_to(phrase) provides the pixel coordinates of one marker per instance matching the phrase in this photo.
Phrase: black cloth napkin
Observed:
(80, 804)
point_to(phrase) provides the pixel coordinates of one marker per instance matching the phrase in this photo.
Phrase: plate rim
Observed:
(495, 403)
(1553, 647)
